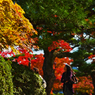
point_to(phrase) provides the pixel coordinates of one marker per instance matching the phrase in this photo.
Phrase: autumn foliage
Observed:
(84, 85)
(59, 69)
(37, 61)
(15, 29)
(92, 57)
(61, 45)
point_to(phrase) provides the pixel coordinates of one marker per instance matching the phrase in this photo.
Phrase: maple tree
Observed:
(61, 45)
(54, 21)
(84, 85)
(15, 29)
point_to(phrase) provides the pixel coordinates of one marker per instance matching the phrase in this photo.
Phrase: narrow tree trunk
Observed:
(93, 79)
(48, 70)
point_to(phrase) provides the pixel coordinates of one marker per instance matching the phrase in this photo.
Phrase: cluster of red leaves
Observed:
(7, 54)
(24, 60)
(59, 66)
(84, 85)
(61, 45)
(59, 69)
(35, 60)
(92, 57)
(38, 62)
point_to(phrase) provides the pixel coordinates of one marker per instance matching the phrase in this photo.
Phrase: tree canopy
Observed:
(15, 29)
(59, 22)
(61, 17)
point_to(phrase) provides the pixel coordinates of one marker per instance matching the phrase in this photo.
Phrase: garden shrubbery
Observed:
(6, 84)
(17, 79)
(25, 81)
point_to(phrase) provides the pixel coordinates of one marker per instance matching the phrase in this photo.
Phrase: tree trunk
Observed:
(48, 70)
(93, 79)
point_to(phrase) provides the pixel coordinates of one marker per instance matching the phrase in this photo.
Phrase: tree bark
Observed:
(48, 70)
(93, 79)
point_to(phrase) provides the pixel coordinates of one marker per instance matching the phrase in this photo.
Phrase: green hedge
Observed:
(6, 84)
(26, 82)
(17, 79)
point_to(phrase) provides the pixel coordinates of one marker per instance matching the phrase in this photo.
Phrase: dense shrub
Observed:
(25, 81)
(6, 85)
